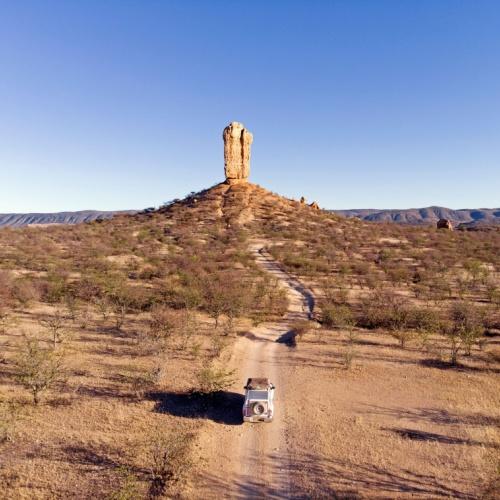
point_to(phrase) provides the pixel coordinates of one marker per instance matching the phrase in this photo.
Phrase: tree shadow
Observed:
(87, 456)
(251, 336)
(435, 416)
(337, 479)
(417, 435)
(446, 365)
(224, 407)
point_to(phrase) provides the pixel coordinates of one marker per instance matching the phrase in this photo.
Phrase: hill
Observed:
(412, 216)
(18, 220)
(428, 215)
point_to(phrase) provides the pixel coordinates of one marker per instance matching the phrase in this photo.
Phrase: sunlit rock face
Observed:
(444, 224)
(237, 142)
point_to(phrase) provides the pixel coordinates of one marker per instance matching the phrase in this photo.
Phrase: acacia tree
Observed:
(225, 294)
(214, 300)
(39, 369)
(465, 329)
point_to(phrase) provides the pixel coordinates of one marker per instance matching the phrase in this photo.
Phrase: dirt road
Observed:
(251, 460)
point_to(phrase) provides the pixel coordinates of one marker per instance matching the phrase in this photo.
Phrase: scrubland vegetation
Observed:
(436, 289)
(107, 329)
(102, 321)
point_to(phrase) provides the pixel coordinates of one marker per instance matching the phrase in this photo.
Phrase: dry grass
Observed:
(397, 425)
(140, 296)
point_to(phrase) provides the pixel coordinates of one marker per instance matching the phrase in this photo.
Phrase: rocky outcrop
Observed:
(302, 200)
(314, 205)
(444, 224)
(237, 142)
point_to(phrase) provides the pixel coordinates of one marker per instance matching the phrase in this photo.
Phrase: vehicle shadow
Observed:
(223, 407)
(288, 338)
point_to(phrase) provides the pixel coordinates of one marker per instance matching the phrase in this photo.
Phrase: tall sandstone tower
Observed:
(237, 142)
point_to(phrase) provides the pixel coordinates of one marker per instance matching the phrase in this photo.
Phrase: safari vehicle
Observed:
(259, 400)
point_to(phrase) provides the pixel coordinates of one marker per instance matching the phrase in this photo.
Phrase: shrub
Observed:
(168, 459)
(53, 287)
(466, 327)
(225, 294)
(163, 323)
(9, 414)
(424, 321)
(348, 357)
(25, 291)
(5, 320)
(128, 486)
(212, 380)
(300, 328)
(39, 369)
(337, 316)
(187, 328)
(383, 310)
(5, 288)
(402, 336)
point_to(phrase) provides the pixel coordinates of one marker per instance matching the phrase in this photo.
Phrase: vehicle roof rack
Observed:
(258, 383)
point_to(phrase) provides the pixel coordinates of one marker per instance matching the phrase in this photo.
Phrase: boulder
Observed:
(237, 142)
(302, 200)
(444, 224)
(314, 205)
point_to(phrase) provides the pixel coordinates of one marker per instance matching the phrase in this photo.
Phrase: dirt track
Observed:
(252, 460)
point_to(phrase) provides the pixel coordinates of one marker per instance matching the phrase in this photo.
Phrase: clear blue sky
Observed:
(115, 104)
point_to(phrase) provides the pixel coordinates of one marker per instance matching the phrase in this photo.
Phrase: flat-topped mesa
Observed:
(237, 142)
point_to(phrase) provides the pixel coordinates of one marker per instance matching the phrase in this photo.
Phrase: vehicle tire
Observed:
(258, 408)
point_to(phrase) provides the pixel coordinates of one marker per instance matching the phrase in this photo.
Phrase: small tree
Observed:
(188, 327)
(71, 305)
(403, 336)
(339, 316)
(120, 305)
(39, 369)
(214, 300)
(84, 316)
(103, 305)
(424, 321)
(466, 325)
(55, 325)
(163, 323)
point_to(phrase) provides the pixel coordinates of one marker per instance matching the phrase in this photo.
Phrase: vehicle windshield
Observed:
(257, 395)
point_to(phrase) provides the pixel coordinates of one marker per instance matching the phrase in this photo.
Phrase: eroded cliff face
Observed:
(237, 143)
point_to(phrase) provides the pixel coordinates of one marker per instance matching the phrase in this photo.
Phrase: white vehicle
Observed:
(259, 400)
